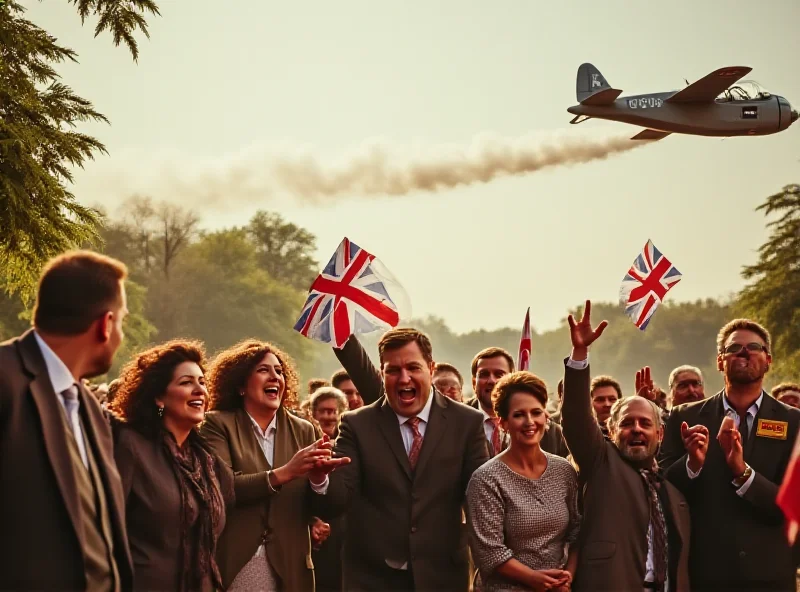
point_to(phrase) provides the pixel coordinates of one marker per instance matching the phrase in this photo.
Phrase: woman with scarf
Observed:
(176, 489)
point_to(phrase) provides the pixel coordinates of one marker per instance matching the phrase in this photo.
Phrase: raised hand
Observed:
(644, 384)
(326, 465)
(695, 441)
(304, 460)
(582, 334)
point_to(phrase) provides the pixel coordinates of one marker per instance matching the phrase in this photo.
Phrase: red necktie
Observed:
(495, 421)
(416, 444)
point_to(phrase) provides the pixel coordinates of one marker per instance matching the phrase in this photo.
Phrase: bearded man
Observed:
(636, 526)
(738, 541)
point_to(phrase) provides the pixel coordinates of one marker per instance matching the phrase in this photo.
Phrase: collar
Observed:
(271, 428)
(752, 410)
(60, 376)
(423, 415)
(483, 412)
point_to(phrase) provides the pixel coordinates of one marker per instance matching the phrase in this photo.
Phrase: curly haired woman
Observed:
(266, 545)
(176, 488)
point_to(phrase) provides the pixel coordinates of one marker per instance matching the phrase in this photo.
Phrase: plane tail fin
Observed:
(592, 88)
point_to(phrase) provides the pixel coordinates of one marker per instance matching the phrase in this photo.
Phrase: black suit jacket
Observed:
(41, 533)
(612, 551)
(737, 542)
(393, 513)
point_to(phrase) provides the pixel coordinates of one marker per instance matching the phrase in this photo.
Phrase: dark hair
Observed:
(75, 289)
(784, 387)
(445, 367)
(491, 352)
(517, 382)
(339, 377)
(743, 325)
(147, 376)
(599, 381)
(316, 383)
(230, 369)
(397, 338)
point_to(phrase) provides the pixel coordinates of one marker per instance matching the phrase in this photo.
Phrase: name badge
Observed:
(772, 429)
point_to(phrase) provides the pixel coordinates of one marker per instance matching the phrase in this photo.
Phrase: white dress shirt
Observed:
(266, 440)
(61, 378)
(649, 564)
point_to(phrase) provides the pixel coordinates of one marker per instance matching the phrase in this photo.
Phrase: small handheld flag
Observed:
(354, 294)
(524, 356)
(647, 282)
(788, 498)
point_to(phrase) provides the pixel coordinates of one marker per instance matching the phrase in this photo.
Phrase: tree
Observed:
(285, 250)
(773, 296)
(39, 142)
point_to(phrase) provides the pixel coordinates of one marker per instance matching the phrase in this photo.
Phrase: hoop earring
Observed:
(160, 412)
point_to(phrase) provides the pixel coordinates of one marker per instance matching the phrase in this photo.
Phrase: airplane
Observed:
(712, 106)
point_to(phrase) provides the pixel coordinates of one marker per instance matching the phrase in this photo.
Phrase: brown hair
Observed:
(316, 383)
(75, 289)
(339, 377)
(491, 352)
(147, 376)
(743, 325)
(230, 369)
(784, 387)
(397, 338)
(517, 382)
(445, 367)
(599, 381)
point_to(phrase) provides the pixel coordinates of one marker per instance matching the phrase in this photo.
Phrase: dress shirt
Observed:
(751, 413)
(266, 440)
(649, 567)
(61, 379)
(488, 426)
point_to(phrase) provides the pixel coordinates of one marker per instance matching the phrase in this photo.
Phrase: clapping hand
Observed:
(324, 465)
(695, 441)
(582, 334)
(730, 440)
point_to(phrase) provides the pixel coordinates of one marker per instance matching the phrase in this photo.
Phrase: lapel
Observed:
(286, 441)
(54, 429)
(391, 431)
(679, 510)
(759, 452)
(711, 415)
(248, 444)
(437, 424)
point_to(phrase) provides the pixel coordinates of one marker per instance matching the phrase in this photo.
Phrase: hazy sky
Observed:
(221, 84)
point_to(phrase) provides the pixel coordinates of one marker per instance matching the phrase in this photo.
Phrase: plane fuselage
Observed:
(729, 118)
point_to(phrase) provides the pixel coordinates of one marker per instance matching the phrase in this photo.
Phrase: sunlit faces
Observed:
(354, 400)
(185, 399)
(327, 415)
(637, 434)
(603, 398)
(526, 420)
(748, 365)
(448, 384)
(407, 379)
(487, 373)
(110, 335)
(791, 398)
(265, 386)
(687, 388)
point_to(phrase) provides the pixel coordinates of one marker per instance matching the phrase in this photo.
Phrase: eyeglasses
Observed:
(735, 348)
(683, 384)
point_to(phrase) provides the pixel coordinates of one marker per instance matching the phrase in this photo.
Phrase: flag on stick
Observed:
(524, 357)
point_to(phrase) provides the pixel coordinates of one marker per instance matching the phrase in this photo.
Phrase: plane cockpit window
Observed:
(747, 90)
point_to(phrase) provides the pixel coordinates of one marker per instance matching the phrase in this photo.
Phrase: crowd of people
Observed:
(195, 474)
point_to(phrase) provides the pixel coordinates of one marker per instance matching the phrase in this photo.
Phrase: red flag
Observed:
(789, 494)
(524, 357)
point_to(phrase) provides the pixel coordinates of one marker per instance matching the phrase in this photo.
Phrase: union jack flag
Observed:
(646, 283)
(349, 296)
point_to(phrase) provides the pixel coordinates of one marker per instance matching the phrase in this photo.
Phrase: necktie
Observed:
(71, 406)
(495, 421)
(743, 430)
(659, 541)
(416, 444)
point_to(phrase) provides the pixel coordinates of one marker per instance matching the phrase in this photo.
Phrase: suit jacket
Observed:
(612, 550)
(153, 508)
(736, 541)
(282, 517)
(394, 514)
(41, 532)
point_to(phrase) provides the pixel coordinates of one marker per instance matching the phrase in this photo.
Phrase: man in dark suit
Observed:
(731, 482)
(62, 514)
(412, 454)
(636, 527)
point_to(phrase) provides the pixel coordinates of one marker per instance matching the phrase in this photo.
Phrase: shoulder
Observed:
(220, 418)
(303, 425)
(366, 413)
(460, 409)
(560, 467)
(696, 407)
(489, 473)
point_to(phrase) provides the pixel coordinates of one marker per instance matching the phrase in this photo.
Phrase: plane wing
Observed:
(650, 134)
(709, 87)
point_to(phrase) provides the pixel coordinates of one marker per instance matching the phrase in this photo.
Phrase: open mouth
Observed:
(271, 392)
(197, 403)
(529, 432)
(407, 395)
(637, 443)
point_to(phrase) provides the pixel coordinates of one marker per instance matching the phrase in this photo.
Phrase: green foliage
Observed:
(39, 140)
(773, 295)
(139, 331)
(285, 251)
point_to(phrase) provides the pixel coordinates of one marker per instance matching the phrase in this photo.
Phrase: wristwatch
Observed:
(742, 479)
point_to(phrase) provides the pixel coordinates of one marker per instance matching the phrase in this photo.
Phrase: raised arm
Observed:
(365, 376)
